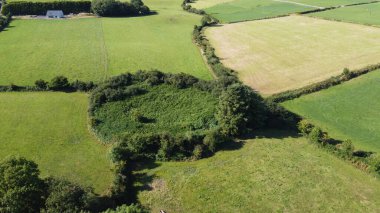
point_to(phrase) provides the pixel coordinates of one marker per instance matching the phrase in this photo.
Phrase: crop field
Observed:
(286, 53)
(96, 48)
(348, 111)
(276, 173)
(51, 129)
(368, 14)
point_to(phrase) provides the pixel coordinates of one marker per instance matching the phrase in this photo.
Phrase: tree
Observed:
(59, 83)
(41, 84)
(64, 196)
(21, 189)
(240, 107)
(133, 208)
(103, 7)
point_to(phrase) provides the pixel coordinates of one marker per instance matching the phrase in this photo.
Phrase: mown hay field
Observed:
(347, 111)
(287, 53)
(272, 173)
(96, 48)
(368, 14)
(51, 129)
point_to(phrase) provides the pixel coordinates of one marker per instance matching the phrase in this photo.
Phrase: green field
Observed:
(96, 48)
(170, 110)
(368, 14)
(243, 10)
(273, 174)
(348, 111)
(51, 129)
(280, 54)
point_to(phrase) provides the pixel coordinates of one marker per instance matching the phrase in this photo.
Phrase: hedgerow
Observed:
(40, 8)
(345, 76)
(367, 161)
(4, 21)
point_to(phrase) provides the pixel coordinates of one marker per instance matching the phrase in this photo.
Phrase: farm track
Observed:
(301, 4)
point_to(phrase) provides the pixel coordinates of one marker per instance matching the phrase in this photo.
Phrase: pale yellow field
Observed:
(202, 4)
(279, 54)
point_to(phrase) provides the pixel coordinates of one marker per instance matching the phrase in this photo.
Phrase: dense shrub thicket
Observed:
(113, 8)
(4, 21)
(40, 8)
(345, 76)
(367, 161)
(239, 109)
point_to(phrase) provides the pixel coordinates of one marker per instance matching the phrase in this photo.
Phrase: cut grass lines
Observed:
(286, 53)
(368, 14)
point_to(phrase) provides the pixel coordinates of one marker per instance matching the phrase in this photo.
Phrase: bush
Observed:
(133, 208)
(40, 8)
(305, 127)
(113, 8)
(316, 135)
(21, 189)
(347, 148)
(41, 84)
(64, 196)
(4, 21)
(59, 83)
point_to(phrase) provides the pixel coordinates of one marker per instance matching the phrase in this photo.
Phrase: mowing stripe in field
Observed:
(280, 54)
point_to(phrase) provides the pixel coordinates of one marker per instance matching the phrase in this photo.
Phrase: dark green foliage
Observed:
(133, 208)
(40, 8)
(41, 84)
(305, 127)
(240, 108)
(82, 86)
(345, 76)
(21, 189)
(5, 20)
(316, 135)
(279, 117)
(113, 8)
(59, 83)
(64, 196)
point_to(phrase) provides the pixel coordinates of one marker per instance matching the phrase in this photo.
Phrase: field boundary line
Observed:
(316, 87)
(301, 4)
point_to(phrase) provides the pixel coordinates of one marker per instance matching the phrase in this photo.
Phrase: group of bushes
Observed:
(99, 7)
(344, 149)
(113, 8)
(22, 190)
(345, 76)
(4, 21)
(58, 83)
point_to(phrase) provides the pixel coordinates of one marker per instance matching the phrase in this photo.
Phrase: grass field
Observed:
(94, 48)
(348, 111)
(51, 129)
(273, 174)
(368, 14)
(291, 52)
(175, 111)
(243, 10)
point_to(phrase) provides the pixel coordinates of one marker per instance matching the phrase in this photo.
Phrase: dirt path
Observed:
(292, 2)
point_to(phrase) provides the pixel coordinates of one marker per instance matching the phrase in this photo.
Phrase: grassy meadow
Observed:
(347, 111)
(294, 51)
(368, 14)
(243, 10)
(272, 173)
(167, 108)
(51, 129)
(96, 48)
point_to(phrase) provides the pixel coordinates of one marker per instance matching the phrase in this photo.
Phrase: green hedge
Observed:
(4, 21)
(40, 8)
(345, 76)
